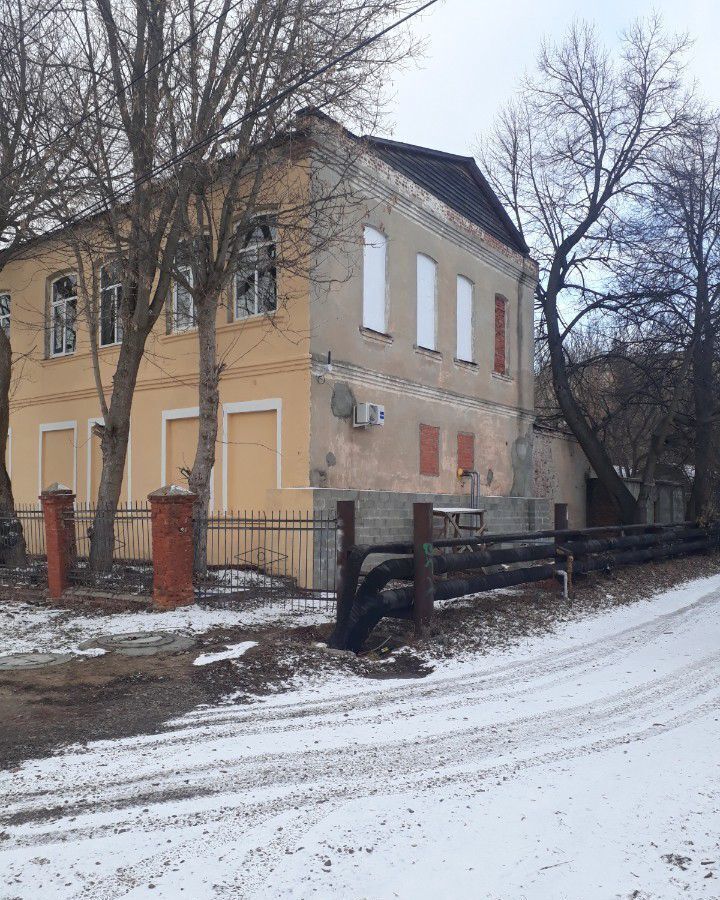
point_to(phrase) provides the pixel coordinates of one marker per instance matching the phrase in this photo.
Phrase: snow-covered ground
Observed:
(581, 765)
(25, 628)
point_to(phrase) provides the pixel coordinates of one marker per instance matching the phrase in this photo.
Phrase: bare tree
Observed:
(185, 93)
(34, 164)
(671, 259)
(566, 156)
(254, 234)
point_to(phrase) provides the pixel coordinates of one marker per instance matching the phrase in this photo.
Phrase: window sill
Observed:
(466, 364)
(502, 377)
(276, 319)
(54, 356)
(379, 336)
(427, 352)
(255, 317)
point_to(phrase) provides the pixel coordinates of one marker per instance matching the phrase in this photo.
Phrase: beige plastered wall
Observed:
(415, 386)
(561, 470)
(266, 362)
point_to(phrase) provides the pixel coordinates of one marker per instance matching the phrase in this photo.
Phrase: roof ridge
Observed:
(417, 148)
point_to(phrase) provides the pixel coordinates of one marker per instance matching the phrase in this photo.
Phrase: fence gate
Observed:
(289, 557)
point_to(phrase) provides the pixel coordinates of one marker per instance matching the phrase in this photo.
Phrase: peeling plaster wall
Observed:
(561, 470)
(414, 385)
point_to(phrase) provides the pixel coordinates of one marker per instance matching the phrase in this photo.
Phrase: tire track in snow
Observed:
(256, 789)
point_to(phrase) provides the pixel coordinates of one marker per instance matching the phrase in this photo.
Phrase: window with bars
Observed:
(110, 305)
(63, 310)
(256, 275)
(5, 313)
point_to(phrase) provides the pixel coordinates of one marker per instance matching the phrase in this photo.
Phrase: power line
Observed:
(84, 118)
(100, 205)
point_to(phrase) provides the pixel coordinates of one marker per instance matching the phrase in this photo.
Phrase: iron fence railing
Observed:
(288, 556)
(23, 558)
(129, 568)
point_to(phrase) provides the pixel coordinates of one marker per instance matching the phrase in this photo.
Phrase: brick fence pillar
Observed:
(57, 502)
(172, 546)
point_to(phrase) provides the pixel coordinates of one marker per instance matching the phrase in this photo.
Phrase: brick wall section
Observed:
(466, 451)
(429, 450)
(59, 539)
(500, 363)
(172, 537)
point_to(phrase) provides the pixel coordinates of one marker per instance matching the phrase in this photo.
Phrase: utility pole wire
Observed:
(99, 205)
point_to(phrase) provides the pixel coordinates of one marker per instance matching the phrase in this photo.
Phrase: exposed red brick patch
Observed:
(172, 535)
(429, 450)
(500, 362)
(59, 539)
(466, 451)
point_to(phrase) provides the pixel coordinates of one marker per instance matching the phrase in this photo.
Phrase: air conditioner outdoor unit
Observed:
(366, 414)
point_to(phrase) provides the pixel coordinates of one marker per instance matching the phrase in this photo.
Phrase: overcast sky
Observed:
(477, 50)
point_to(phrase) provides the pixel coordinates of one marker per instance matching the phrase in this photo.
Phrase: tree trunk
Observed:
(700, 505)
(115, 438)
(208, 406)
(13, 551)
(588, 440)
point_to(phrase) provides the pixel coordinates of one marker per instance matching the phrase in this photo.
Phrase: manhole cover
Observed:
(142, 643)
(34, 660)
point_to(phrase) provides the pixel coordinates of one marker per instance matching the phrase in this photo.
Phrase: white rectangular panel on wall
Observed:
(464, 319)
(426, 290)
(374, 290)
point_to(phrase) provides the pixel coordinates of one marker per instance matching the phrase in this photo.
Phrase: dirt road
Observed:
(583, 764)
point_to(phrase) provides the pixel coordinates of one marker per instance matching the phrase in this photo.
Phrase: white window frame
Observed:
(252, 247)
(70, 425)
(56, 304)
(177, 329)
(425, 328)
(9, 452)
(229, 409)
(5, 317)
(116, 288)
(374, 309)
(100, 420)
(168, 415)
(465, 326)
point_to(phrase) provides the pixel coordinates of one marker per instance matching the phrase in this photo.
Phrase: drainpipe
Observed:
(474, 485)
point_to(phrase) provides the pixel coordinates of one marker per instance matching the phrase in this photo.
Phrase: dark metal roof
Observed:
(456, 181)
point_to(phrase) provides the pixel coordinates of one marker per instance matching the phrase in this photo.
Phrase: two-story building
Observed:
(428, 317)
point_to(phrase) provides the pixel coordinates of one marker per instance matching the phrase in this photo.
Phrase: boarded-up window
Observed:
(374, 262)
(180, 447)
(464, 319)
(252, 459)
(58, 457)
(466, 451)
(429, 450)
(426, 290)
(500, 365)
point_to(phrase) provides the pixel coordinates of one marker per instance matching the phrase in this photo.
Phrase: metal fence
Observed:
(23, 558)
(129, 571)
(284, 556)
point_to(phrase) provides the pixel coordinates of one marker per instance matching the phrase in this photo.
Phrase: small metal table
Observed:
(449, 525)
